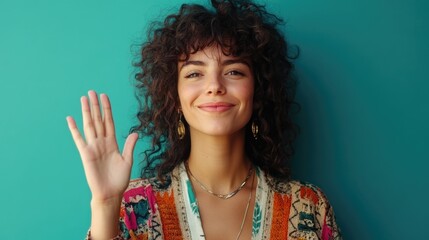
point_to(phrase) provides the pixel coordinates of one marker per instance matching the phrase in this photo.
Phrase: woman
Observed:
(216, 100)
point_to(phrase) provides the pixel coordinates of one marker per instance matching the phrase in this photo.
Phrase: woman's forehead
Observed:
(211, 53)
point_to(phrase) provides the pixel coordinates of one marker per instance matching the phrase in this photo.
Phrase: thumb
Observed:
(130, 143)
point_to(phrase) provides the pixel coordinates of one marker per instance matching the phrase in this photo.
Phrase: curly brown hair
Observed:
(240, 28)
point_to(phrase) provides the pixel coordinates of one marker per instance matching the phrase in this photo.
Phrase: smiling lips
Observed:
(216, 107)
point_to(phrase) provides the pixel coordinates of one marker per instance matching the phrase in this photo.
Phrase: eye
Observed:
(193, 75)
(235, 72)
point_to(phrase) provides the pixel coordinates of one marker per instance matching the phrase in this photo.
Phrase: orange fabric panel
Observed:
(279, 223)
(169, 217)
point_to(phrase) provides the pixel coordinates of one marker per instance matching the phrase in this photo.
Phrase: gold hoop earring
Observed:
(255, 130)
(181, 131)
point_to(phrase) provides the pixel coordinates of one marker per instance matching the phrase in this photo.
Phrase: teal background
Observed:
(363, 89)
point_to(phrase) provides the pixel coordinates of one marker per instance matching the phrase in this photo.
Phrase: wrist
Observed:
(105, 218)
(106, 202)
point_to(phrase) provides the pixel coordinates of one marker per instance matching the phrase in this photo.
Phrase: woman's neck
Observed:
(219, 162)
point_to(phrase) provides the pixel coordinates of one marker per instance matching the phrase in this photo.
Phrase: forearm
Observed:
(104, 219)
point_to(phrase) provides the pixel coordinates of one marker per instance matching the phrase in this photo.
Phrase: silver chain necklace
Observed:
(247, 210)
(241, 186)
(219, 195)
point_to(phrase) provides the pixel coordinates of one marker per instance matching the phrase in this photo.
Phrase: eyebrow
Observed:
(224, 63)
(233, 61)
(197, 63)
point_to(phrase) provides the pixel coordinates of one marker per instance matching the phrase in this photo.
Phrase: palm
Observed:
(106, 169)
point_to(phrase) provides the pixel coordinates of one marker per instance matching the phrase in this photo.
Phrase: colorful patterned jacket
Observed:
(157, 210)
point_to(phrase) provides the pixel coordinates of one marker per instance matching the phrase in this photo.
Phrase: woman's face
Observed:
(215, 92)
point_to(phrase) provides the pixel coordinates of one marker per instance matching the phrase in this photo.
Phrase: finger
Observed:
(130, 143)
(96, 114)
(77, 138)
(88, 126)
(109, 125)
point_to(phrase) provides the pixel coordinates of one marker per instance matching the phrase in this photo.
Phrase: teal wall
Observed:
(363, 89)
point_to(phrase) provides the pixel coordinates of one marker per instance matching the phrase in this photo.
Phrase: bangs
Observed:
(200, 30)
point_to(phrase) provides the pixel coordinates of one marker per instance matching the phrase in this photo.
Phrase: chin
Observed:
(220, 131)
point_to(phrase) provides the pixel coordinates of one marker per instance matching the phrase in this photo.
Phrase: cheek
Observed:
(187, 94)
(246, 92)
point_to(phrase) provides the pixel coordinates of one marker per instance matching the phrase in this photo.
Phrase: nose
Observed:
(215, 86)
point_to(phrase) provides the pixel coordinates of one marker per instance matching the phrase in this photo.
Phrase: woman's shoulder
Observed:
(297, 189)
(139, 206)
(309, 208)
(141, 188)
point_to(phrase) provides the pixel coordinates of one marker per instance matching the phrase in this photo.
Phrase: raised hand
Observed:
(107, 170)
